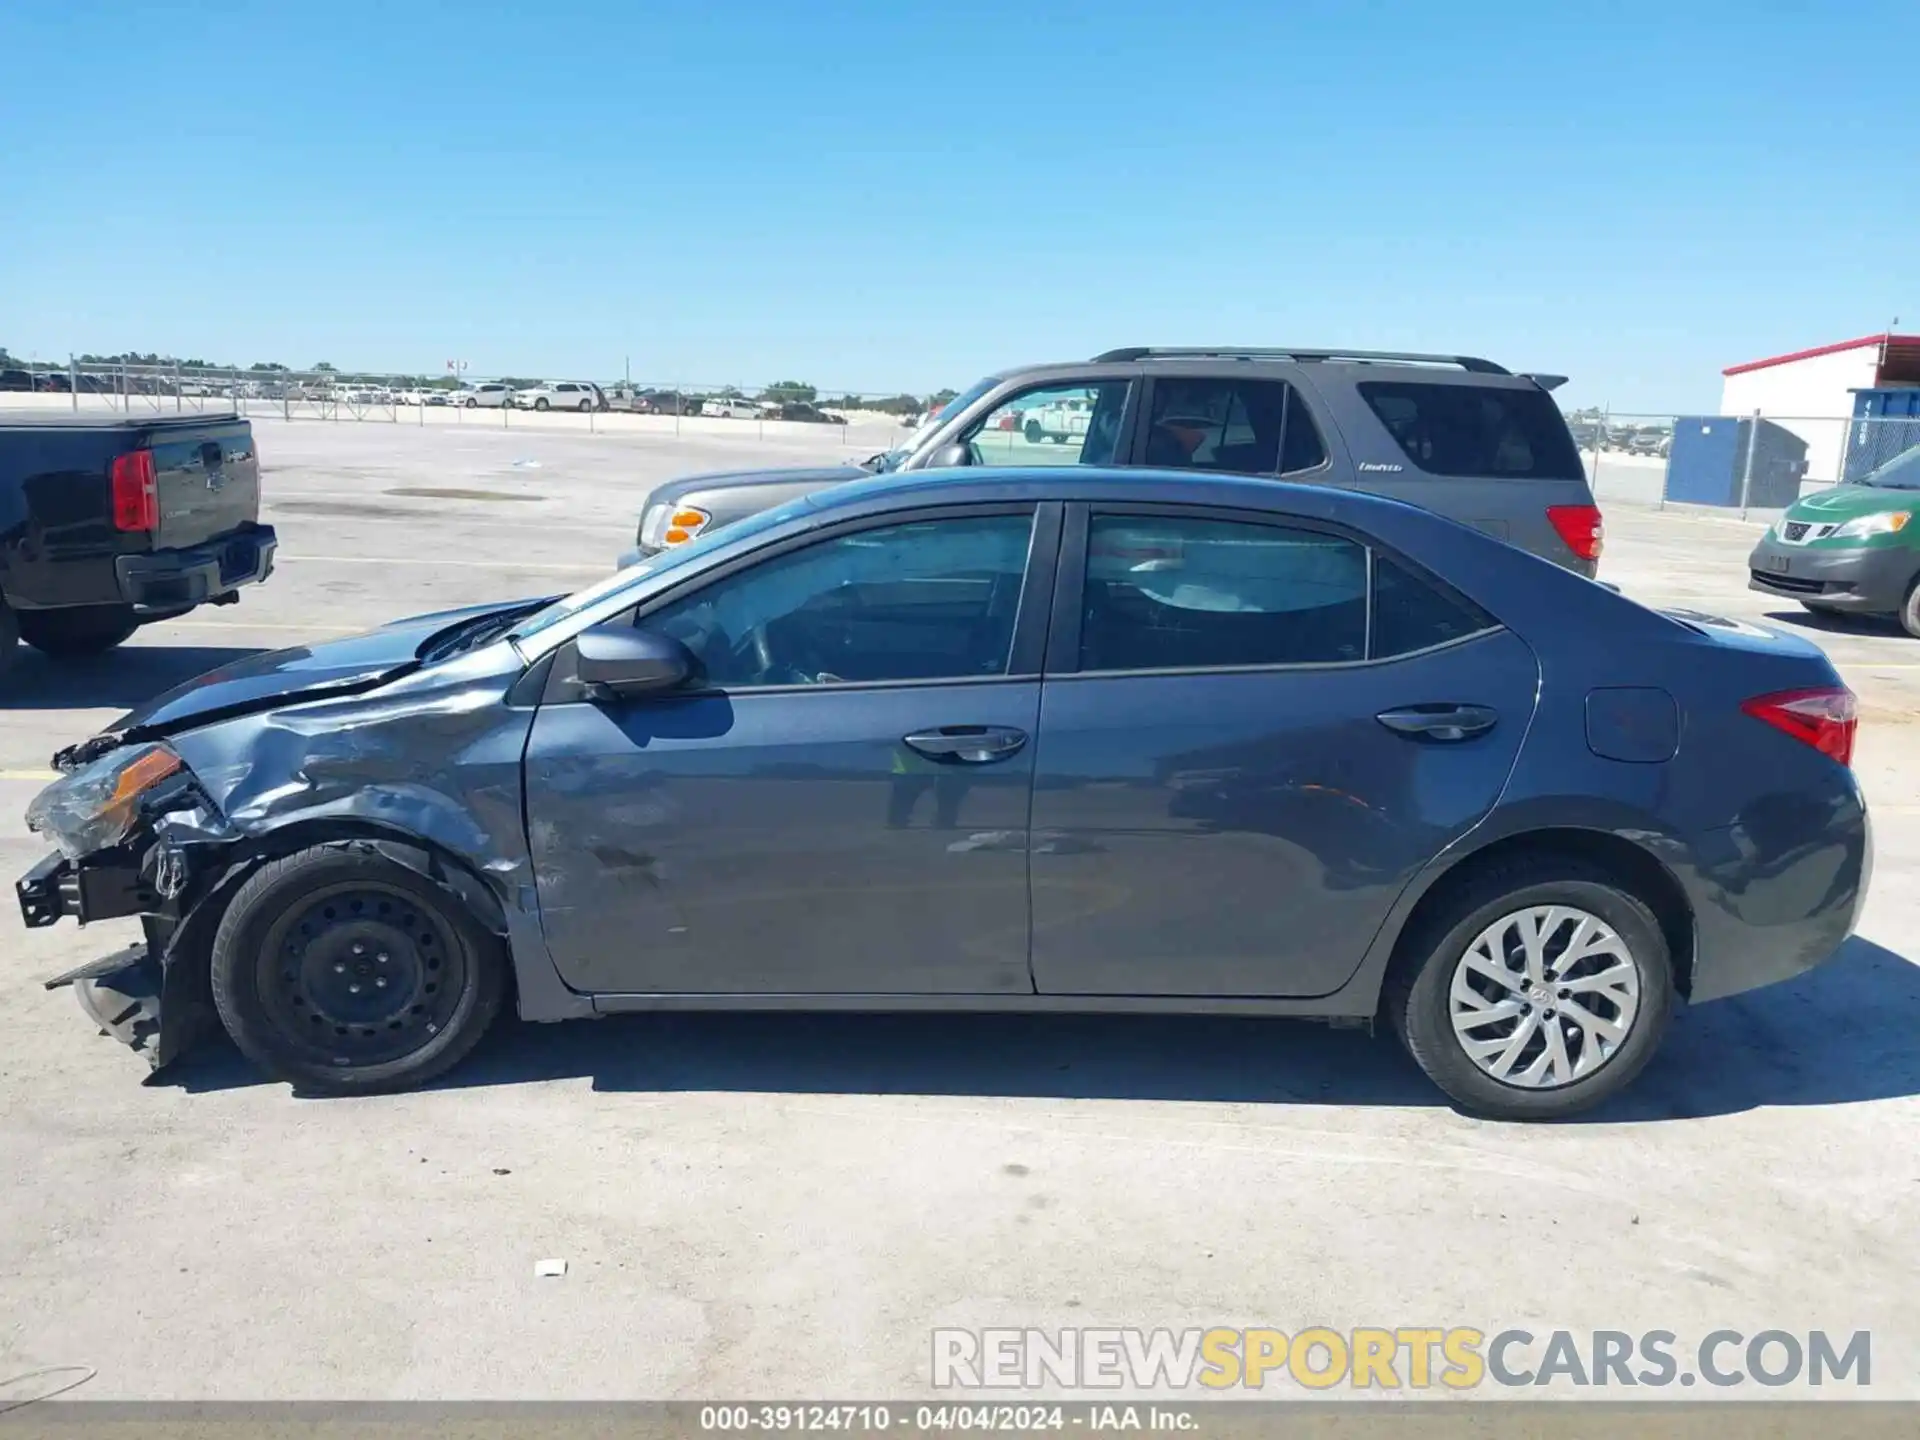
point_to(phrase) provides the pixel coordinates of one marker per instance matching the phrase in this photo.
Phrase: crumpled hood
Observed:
(306, 671)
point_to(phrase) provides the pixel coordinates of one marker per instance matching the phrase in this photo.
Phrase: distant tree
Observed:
(519, 382)
(262, 366)
(323, 367)
(730, 392)
(901, 404)
(789, 390)
(940, 397)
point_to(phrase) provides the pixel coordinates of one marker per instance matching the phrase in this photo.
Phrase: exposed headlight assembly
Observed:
(96, 806)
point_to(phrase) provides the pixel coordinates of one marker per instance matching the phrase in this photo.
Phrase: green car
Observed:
(1851, 550)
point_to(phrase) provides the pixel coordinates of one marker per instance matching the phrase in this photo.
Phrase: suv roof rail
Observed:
(1255, 352)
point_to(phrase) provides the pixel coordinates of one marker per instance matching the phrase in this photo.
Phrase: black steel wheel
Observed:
(344, 971)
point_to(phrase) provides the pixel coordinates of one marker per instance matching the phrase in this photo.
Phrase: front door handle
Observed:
(1439, 722)
(967, 744)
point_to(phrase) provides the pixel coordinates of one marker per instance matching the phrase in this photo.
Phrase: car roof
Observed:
(1276, 365)
(905, 489)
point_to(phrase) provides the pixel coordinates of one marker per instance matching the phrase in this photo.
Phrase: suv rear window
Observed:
(1476, 430)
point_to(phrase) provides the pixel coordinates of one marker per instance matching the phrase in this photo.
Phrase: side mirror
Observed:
(618, 659)
(957, 452)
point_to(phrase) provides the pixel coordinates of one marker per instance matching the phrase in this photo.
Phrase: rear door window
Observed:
(1166, 592)
(1475, 430)
(1226, 423)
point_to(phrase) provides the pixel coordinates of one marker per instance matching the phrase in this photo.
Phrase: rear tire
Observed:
(585, 406)
(1441, 987)
(79, 632)
(306, 941)
(1910, 610)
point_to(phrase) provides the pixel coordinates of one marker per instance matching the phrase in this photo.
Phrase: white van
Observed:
(737, 407)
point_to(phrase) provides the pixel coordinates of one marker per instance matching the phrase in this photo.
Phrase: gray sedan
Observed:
(1060, 739)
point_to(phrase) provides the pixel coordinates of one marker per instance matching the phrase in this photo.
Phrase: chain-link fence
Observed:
(835, 418)
(1743, 463)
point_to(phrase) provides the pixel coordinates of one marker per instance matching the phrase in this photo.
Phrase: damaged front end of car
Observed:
(137, 834)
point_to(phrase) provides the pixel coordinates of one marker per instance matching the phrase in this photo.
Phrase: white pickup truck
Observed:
(1059, 422)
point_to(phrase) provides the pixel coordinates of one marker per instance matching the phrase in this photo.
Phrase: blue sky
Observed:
(906, 195)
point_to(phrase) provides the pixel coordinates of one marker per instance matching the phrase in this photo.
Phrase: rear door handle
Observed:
(967, 744)
(1439, 722)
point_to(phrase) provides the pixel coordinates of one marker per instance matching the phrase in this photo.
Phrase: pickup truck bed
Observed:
(107, 522)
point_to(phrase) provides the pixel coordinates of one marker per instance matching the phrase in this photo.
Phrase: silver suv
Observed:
(1457, 435)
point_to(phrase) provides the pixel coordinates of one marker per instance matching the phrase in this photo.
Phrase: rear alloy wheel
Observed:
(1544, 991)
(1910, 610)
(585, 405)
(78, 632)
(346, 972)
(541, 403)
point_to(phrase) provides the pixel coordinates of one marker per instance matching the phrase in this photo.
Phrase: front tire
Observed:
(346, 972)
(541, 403)
(78, 632)
(1910, 610)
(1539, 991)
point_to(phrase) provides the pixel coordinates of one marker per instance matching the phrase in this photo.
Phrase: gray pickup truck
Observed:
(108, 522)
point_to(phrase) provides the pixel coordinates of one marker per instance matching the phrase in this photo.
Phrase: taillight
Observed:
(136, 499)
(1580, 527)
(1825, 718)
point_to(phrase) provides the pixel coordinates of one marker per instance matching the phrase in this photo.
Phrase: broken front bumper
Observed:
(154, 1008)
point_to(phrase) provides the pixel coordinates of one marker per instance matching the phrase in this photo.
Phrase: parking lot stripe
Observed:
(41, 775)
(601, 569)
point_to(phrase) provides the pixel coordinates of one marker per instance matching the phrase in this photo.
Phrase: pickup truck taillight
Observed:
(136, 499)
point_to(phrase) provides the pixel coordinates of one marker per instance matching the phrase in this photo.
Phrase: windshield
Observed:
(1902, 472)
(657, 564)
(893, 458)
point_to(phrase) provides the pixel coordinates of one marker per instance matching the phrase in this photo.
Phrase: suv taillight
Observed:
(1580, 527)
(136, 499)
(1825, 718)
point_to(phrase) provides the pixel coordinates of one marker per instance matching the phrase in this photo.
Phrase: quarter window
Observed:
(1476, 429)
(1409, 614)
(927, 600)
(1244, 427)
(1169, 592)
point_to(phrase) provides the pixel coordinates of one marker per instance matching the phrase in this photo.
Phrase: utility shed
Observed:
(1811, 392)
